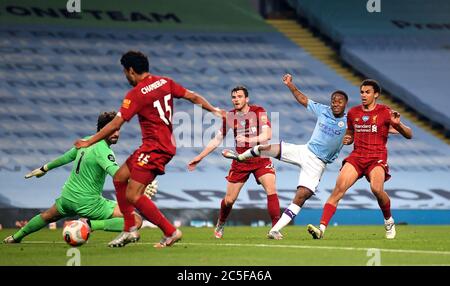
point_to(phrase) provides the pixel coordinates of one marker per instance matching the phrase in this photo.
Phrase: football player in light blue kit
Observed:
(324, 146)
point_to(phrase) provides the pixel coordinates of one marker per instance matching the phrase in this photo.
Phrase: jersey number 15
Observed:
(162, 113)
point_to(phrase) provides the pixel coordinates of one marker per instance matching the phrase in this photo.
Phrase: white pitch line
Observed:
(325, 247)
(39, 242)
(279, 246)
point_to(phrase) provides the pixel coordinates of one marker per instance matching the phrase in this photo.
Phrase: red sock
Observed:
(328, 212)
(125, 207)
(224, 211)
(273, 205)
(151, 212)
(386, 209)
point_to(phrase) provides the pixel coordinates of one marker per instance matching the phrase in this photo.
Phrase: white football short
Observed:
(311, 167)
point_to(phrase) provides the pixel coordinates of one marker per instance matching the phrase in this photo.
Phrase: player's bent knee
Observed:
(48, 217)
(264, 147)
(132, 197)
(229, 201)
(377, 191)
(45, 216)
(336, 195)
(51, 214)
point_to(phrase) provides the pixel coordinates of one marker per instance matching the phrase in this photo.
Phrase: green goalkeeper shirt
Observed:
(90, 166)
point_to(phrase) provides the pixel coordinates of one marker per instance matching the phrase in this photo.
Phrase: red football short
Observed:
(240, 171)
(365, 165)
(146, 165)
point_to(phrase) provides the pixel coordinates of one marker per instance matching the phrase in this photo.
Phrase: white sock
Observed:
(322, 227)
(289, 214)
(250, 153)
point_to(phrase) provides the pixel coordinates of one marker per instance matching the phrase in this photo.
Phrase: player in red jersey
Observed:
(368, 127)
(250, 127)
(152, 100)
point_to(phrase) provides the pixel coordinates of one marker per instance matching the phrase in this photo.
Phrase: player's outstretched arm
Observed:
(399, 126)
(64, 159)
(200, 100)
(301, 98)
(39, 172)
(212, 145)
(105, 132)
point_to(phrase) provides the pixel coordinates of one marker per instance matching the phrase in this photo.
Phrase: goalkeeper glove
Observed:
(37, 172)
(151, 189)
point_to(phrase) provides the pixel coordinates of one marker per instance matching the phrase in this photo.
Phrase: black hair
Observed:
(240, 87)
(136, 60)
(104, 118)
(340, 92)
(373, 83)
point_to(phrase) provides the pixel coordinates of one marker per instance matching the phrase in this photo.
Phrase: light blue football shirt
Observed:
(326, 140)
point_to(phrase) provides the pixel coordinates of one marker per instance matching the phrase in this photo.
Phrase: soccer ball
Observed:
(76, 232)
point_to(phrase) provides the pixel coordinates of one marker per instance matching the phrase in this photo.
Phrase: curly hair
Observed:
(136, 60)
(104, 118)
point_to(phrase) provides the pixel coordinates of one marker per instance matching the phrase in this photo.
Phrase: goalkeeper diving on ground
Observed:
(82, 192)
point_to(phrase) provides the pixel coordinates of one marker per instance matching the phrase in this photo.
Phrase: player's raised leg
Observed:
(36, 223)
(226, 206)
(269, 150)
(377, 178)
(290, 212)
(347, 177)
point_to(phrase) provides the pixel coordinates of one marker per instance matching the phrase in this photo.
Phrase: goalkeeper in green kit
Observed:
(81, 194)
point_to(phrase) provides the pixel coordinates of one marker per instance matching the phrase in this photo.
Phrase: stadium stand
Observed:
(55, 80)
(405, 47)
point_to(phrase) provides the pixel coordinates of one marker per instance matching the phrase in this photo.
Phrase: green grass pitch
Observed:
(243, 246)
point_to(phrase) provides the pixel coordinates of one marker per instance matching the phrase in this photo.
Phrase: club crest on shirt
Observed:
(111, 158)
(365, 118)
(341, 124)
(374, 119)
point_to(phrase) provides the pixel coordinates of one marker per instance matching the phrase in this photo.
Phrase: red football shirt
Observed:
(371, 129)
(152, 101)
(249, 124)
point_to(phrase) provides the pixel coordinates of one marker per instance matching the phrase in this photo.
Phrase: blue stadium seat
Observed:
(405, 46)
